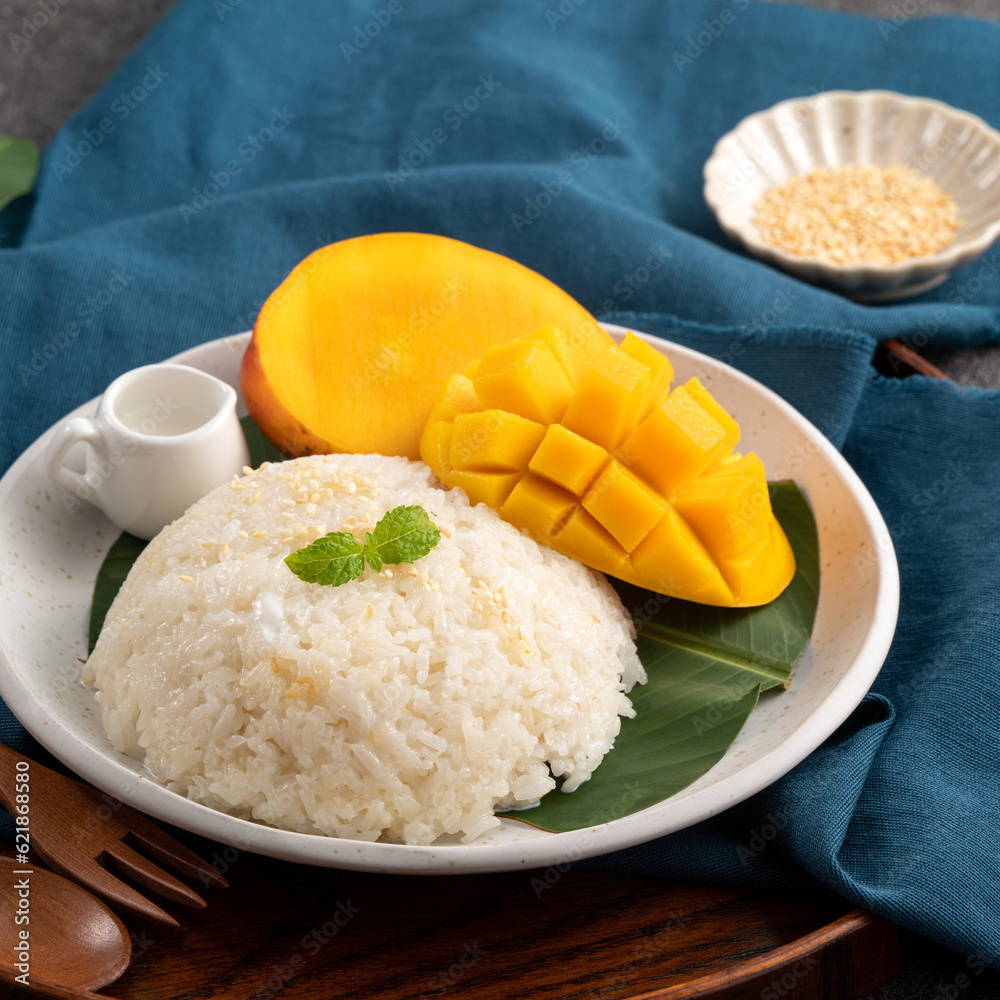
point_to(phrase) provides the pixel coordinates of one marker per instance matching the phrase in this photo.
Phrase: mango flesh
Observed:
(351, 350)
(593, 454)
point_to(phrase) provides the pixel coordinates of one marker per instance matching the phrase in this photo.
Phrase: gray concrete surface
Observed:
(54, 72)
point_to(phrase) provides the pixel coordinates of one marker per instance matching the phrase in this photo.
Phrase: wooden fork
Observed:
(81, 833)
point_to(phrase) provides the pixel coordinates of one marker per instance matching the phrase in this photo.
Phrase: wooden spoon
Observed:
(73, 938)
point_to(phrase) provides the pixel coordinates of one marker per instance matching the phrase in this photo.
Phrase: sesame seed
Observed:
(858, 213)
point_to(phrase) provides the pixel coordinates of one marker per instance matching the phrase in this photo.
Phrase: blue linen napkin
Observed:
(571, 135)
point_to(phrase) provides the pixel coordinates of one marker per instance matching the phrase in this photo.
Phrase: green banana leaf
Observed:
(707, 668)
(18, 166)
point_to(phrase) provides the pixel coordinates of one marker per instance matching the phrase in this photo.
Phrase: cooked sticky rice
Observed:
(408, 704)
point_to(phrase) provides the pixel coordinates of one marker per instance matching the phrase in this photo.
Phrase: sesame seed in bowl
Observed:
(873, 194)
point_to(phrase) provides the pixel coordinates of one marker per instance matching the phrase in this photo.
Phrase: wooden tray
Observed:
(303, 933)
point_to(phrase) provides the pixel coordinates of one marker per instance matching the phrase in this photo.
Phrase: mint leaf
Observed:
(401, 536)
(332, 560)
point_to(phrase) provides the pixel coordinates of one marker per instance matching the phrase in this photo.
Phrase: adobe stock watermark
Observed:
(632, 794)
(977, 963)
(790, 979)
(246, 152)
(580, 160)
(625, 287)
(318, 938)
(760, 839)
(646, 950)
(566, 9)
(121, 107)
(711, 29)
(223, 8)
(729, 697)
(101, 466)
(788, 121)
(925, 499)
(395, 355)
(87, 311)
(47, 11)
(901, 13)
(442, 981)
(366, 32)
(929, 327)
(454, 117)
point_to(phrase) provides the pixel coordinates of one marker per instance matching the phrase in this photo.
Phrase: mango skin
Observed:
(620, 473)
(350, 351)
(283, 429)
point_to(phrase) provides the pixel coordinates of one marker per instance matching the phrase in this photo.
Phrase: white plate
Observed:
(50, 557)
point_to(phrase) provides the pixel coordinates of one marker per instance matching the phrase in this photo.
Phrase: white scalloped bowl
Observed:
(957, 150)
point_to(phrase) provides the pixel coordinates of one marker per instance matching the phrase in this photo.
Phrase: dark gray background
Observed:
(45, 82)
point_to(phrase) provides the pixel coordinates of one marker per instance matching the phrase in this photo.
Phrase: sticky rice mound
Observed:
(407, 704)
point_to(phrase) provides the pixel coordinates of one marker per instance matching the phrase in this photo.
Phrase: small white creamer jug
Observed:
(163, 436)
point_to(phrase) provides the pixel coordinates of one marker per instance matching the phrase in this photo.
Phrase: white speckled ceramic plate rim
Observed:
(855, 623)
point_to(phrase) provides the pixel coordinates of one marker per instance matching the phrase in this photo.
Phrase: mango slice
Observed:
(592, 453)
(351, 350)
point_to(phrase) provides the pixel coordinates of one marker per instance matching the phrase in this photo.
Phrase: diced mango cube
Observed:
(661, 371)
(524, 377)
(435, 448)
(764, 570)
(728, 507)
(490, 488)
(568, 459)
(459, 396)
(494, 441)
(672, 560)
(717, 413)
(623, 505)
(574, 349)
(584, 539)
(539, 506)
(608, 401)
(680, 439)
(586, 449)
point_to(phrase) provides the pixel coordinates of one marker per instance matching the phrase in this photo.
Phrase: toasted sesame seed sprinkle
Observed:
(858, 213)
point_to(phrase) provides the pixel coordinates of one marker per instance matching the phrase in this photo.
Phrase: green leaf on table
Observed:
(110, 577)
(18, 167)
(707, 667)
